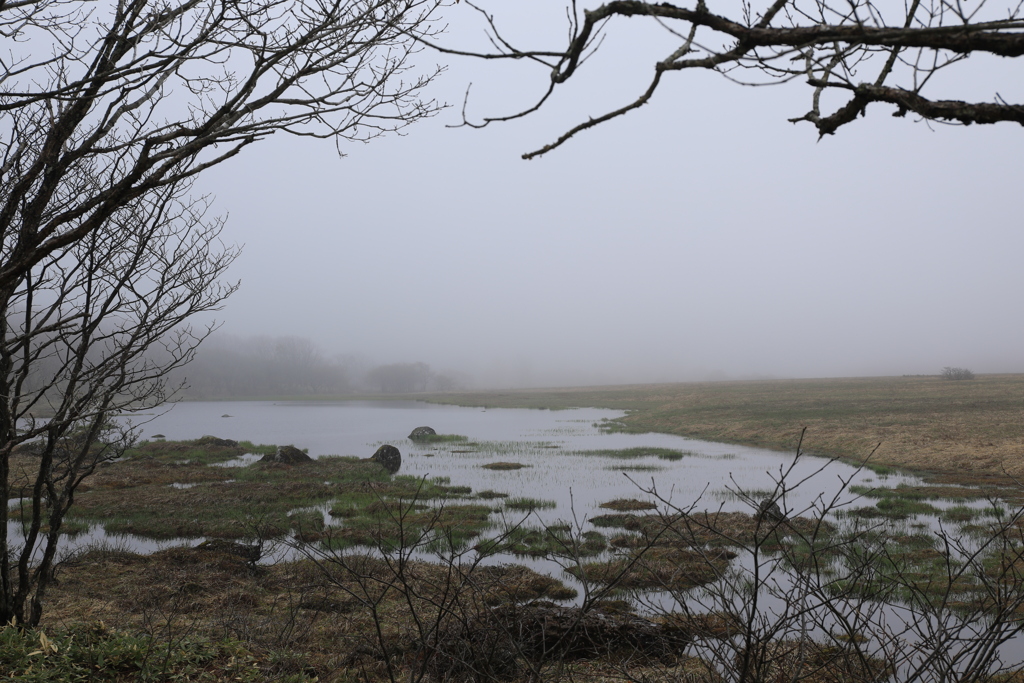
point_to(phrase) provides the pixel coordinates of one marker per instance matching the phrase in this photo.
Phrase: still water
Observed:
(557, 450)
(550, 443)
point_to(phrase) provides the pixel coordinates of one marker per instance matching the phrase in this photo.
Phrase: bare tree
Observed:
(107, 113)
(956, 373)
(90, 332)
(232, 366)
(850, 54)
(144, 94)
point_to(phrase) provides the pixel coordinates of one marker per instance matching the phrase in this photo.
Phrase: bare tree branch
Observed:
(107, 113)
(829, 44)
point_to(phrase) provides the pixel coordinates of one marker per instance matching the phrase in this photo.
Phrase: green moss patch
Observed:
(502, 466)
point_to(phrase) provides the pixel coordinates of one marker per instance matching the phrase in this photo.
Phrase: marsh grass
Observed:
(203, 451)
(100, 654)
(391, 525)
(163, 617)
(555, 540)
(614, 521)
(250, 505)
(439, 438)
(352, 503)
(607, 426)
(902, 507)
(906, 500)
(641, 452)
(958, 431)
(716, 529)
(635, 468)
(504, 450)
(304, 619)
(918, 560)
(526, 504)
(660, 568)
(391, 514)
(744, 496)
(882, 471)
(628, 505)
(892, 508)
(912, 492)
(267, 501)
(964, 513)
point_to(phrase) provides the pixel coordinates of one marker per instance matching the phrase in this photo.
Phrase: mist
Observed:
(700, 237)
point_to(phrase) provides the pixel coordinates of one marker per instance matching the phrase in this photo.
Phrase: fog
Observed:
(701, 237)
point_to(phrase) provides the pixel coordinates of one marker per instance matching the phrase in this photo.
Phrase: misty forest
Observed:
(649, 342)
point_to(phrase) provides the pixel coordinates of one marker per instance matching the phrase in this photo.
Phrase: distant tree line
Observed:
(229, 366)
(402, 378)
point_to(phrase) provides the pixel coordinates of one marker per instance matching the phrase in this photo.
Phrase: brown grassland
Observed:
(967, 431)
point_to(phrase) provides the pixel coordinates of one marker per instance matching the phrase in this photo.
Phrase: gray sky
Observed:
(702, 236)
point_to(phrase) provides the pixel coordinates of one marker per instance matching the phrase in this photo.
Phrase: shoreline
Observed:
(970, 431)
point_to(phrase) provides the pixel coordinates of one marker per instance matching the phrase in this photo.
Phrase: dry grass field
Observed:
(970, 430)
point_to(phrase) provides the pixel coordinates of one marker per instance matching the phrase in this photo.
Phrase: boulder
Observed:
(389, 458)
(287, 455)
(769, 509)
(422, 432)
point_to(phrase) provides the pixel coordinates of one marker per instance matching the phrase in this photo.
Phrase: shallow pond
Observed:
(569, 462)
(551, 444)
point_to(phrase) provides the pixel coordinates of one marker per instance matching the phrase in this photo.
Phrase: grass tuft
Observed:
(529, 504)
(641, 452)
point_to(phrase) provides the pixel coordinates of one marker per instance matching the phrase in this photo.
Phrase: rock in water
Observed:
(287, 455)
(769, 509)
(421, 432)
(389, 458)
